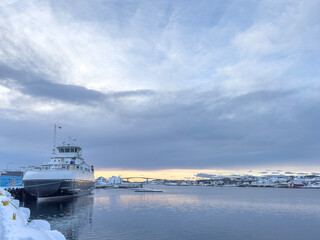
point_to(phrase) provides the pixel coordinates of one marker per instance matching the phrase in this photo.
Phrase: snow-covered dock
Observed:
(15, 224)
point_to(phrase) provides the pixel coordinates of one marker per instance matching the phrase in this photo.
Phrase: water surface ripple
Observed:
(192, 212)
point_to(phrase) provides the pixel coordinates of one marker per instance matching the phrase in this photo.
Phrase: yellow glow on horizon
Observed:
(176, 174)
(159, 174)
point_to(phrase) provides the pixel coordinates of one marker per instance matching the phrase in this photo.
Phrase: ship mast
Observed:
(54, 138)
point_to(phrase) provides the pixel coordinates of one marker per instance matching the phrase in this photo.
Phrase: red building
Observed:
(296, 185)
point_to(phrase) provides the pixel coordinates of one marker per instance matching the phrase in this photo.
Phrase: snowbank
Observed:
(14, 224)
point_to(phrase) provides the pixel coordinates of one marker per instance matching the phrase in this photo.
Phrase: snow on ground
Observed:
(20, 228)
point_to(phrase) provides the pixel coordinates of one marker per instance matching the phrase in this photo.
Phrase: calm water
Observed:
(186, 213)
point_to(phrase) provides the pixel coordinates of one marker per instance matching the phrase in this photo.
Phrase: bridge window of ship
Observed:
(64, 166)
(67, 150)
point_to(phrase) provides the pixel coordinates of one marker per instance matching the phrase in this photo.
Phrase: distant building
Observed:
(115, 180)
(101, 179)
(10, 178)
(296, 184)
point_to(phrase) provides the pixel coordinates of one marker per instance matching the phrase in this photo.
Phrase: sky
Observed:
(162, 86)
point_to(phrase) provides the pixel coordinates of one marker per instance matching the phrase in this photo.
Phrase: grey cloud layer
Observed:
(203, 131)
(40, 85)
(175, 129)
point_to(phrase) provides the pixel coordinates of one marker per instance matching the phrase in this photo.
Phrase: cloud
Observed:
(240, 92)
(205, 175)
(142, 46)
(40, 85)
(162, 132)
(272, 47)
(275, 175)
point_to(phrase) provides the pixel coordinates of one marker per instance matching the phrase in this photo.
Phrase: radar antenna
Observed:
(72, 140)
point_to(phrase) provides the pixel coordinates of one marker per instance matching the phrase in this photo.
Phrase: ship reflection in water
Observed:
(186, 213)
(70, 215)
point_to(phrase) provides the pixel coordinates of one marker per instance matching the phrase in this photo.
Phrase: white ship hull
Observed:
(62, 182)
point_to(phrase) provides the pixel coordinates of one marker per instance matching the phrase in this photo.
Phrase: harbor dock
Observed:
(15, 223)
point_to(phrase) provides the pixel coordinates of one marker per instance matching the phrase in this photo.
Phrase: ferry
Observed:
(66, 174)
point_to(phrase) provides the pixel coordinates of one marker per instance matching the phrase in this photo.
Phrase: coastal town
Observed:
(282, 181)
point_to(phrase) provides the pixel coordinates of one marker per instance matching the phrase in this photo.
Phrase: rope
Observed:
(43, 184)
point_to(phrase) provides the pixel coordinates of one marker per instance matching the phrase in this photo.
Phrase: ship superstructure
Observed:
(65, 174)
